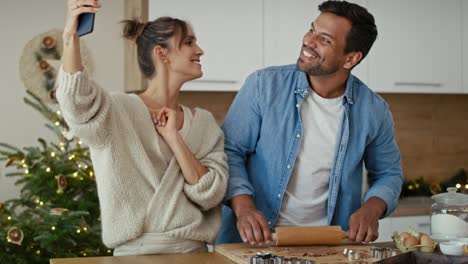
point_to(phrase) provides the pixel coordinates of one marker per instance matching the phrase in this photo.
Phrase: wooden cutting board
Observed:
(241, 253)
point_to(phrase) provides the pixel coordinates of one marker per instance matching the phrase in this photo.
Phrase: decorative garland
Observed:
(40, 61)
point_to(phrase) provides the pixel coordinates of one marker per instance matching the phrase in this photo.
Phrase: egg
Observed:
(404, 235)
(410, 241)
(426, 240)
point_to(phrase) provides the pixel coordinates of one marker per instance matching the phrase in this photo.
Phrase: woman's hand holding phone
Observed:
(74, 10)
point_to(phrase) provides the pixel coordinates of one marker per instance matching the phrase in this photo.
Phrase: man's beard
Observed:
(315, 69)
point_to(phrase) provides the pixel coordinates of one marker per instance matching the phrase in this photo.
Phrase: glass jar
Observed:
(449, 217)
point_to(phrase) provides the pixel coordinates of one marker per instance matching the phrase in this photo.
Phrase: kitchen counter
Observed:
(205, 258)
(413, 206)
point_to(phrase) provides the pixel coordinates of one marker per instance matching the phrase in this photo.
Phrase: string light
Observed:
(9, 217)
(108, 251)
(53, 228)
(91, 173)
(52, 154)
(48, 169)
(26, 171)
(57, 123)
(75, 174)
(85, 229)
(79, 142)
(458, 186)
(41, 203)
(71, 157)
(38, 252)
(466, 186)
(78, 231)
(58, 112)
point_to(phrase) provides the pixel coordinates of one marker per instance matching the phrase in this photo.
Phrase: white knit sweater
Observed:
(140, 190)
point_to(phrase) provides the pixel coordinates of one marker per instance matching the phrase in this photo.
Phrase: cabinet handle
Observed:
(214, 81)
(417, 84)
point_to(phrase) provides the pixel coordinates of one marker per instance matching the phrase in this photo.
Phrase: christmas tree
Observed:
(57, 213)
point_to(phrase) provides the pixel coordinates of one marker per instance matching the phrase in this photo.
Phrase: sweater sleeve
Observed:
(211, 188)
(85, 106)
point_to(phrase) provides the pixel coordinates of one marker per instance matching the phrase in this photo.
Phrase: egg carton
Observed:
(418, 247)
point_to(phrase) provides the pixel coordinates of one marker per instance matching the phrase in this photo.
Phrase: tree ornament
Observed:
(61, 183)
(15, 235)
(9, 162)
(58, 211)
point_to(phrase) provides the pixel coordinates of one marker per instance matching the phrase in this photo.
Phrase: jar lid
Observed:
(451, 197)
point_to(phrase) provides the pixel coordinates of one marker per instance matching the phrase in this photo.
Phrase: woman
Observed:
(160, 168)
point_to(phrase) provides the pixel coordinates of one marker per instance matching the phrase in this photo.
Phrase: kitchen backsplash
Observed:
(431, 129)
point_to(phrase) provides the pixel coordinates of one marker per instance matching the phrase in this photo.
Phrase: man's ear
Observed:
(352, 59)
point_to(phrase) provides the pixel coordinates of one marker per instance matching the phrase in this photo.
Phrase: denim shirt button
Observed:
(289, 166)
(298, 135)
(269, 223)
(279, 195)
(297, 105)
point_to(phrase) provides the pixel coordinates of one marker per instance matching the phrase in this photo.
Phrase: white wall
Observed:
(21, 20)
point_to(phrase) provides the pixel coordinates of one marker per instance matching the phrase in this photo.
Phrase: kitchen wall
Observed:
(431, 130)
(20, 21)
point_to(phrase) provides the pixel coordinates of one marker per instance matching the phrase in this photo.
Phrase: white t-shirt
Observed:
(305, 199)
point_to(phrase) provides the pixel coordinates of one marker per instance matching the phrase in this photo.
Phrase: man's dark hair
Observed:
(363, 31)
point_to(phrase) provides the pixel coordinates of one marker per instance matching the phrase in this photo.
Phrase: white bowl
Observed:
(452, 248)
(463, 240)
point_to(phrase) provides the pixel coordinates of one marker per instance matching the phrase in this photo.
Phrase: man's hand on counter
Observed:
(251, 223)
(364, 223)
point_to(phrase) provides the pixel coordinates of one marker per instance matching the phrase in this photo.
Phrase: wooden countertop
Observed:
(413, 206)
(205, 258)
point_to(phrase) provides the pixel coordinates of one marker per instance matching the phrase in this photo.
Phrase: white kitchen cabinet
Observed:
(465, 45)
(285, 26)
(419, 46)
(229, 32)
(388, 225)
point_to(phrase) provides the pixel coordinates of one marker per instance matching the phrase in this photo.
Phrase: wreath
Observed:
(40, 62)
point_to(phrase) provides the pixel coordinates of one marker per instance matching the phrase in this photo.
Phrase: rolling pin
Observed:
(308, 235)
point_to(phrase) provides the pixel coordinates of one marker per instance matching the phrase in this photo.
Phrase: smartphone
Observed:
(85, 24)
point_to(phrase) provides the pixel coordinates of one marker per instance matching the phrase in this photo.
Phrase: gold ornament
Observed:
(58, 211)
(61, 182)
(15, 235)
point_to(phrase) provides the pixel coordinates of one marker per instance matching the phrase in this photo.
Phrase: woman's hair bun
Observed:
(132, 28)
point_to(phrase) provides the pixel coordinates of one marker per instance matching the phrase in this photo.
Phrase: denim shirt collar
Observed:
(303, 87)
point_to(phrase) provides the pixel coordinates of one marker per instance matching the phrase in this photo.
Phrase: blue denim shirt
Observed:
(263, 134)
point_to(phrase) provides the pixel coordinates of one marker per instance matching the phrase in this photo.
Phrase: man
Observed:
(297, 137)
